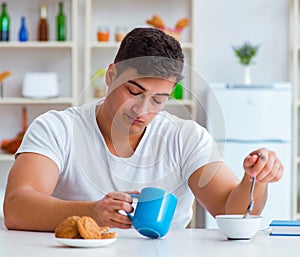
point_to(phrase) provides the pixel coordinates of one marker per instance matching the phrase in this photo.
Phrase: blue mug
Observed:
(154, 212)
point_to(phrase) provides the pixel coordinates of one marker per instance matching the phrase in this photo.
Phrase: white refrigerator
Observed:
(243, 118)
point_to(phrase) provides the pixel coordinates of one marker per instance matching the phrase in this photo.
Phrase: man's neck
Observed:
(119, 143)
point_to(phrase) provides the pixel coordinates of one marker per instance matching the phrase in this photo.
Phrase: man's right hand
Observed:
(107, 210)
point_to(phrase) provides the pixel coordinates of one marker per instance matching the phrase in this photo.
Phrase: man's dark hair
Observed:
(152, 53)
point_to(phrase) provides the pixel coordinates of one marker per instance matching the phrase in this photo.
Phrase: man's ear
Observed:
(111, 74)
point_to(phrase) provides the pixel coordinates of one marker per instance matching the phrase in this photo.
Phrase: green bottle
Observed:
(61, 23)
(177, 92)
(4, 24)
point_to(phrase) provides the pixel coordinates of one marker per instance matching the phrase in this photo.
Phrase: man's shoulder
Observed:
(67, 114)
(165, 118)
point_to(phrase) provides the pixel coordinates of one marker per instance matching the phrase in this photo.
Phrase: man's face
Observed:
(134, 101)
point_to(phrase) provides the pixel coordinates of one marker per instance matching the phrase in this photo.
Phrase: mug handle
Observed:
(129, 214)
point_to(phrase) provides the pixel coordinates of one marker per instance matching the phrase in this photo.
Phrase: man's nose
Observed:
(140, 105)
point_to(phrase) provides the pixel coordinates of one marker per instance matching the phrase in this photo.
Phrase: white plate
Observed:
(85, 242)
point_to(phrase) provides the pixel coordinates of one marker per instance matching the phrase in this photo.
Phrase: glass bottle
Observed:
(23, 32)
(43, 24)
(177, 92)
(4, 24)
(61, 23)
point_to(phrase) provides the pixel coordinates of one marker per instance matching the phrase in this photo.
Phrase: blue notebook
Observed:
(285, 228)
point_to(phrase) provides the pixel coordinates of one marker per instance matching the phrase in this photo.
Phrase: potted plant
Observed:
(99, 84)
(245, 53)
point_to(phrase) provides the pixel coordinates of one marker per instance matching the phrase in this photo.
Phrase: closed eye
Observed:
(155, 99)
(133, 92)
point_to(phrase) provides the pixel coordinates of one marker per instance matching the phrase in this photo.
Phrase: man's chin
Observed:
(136, 129)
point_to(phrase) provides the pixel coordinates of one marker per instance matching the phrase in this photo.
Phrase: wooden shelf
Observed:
(23, 100)
(7, 157)
(180, 102)
(96, 44)
(36, 44)
(169, 103)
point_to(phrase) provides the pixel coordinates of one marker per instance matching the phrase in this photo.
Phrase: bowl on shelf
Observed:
(236, 227)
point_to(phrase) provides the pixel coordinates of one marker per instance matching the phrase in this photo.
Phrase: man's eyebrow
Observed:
(144, 89)
(137, 84)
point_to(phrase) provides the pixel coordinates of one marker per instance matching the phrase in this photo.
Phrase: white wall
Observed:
(222, 24)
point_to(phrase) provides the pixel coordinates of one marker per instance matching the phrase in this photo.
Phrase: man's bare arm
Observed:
(29, 204)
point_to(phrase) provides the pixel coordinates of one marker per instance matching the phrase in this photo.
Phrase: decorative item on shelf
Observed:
(99, 84)
(3, 76)
(177, 92)
(43, 24)
(23, 32)
(40, 85)
(4, 24)
(245, 54)
(61, 24)
(12, 145)
(157, 22)
(120, 34)
(103, 34)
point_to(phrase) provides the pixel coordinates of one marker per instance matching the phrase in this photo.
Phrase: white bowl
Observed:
(237, 227)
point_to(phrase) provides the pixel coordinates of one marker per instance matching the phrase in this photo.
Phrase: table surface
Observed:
(181, 243)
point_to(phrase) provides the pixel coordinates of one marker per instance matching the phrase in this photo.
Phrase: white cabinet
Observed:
(32, 56)
(115, 15)
(295, 79)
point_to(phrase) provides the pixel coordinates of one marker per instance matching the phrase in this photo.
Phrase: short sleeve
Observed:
(197, 148)
(47, 135)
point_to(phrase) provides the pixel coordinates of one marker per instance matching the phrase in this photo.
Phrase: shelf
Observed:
(36, 44)
(7, 157)
(21, 100)
(180, 102)
(187, 45)
(20, 58)
(104, 44)
(171, 102)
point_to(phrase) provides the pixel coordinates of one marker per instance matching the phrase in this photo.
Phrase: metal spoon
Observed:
(251, 204)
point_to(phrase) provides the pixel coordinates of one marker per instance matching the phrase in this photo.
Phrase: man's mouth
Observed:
(134, 120)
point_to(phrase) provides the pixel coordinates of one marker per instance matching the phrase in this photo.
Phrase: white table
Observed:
(181, 243)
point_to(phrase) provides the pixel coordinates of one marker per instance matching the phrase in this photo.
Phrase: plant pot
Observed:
(247, 75)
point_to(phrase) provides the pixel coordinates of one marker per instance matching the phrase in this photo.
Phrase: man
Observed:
(86, 160)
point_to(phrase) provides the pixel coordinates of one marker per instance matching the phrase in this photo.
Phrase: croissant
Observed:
(12, 145)
(182, 23)
(156, 22)
(4, 75)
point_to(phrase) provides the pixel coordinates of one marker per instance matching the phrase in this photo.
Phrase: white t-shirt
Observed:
(170, 150)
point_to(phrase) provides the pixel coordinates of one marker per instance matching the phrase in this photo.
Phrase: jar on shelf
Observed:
(103, 34)
(120, 33)
(98, 83)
